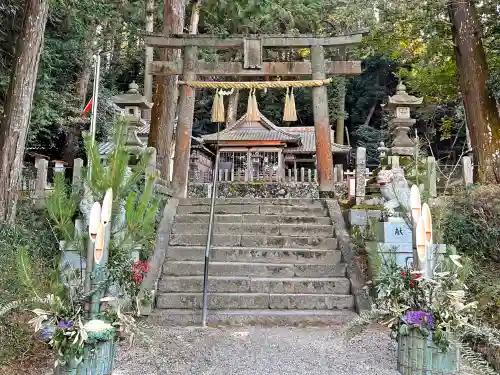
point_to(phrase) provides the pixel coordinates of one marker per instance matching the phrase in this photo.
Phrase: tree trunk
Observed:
(482, 116)
(232, 107)
(370, 115)
(148, 78)
(17, 111)
(166, 93)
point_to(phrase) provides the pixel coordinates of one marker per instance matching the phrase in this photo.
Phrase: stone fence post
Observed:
(360, 175)
(77, 182)
(431, 177)
(41, 180)
(468, 171)
(338, 173)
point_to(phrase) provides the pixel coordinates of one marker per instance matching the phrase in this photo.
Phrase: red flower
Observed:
(138, 270)
(403, 273)
(412, 284)
(417, 276)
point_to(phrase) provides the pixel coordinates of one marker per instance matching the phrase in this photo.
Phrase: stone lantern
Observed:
(400, 105)
(132, 102)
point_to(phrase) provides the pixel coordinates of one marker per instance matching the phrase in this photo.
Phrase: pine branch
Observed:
(26, 271)
(475, 360)
(16, 304)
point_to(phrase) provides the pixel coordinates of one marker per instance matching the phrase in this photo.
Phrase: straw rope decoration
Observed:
(253, 113)
(256, 84)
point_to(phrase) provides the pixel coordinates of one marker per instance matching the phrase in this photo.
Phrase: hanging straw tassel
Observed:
(218, 108)
(289, 113)
(287, 105)
(291, 105)
(215, 107)
(255, 108)
(249, 106)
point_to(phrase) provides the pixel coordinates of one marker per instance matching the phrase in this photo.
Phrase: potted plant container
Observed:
(418, 355)
(98, 356)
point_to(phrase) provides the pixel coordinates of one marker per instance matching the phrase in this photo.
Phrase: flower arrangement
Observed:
(90, 303)
(433, 309)
(406, 301)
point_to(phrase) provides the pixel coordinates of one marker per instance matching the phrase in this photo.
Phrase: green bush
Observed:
(33, 232)
(471, 222)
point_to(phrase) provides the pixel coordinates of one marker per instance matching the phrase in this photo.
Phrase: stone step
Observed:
(324, 243)
(196, 268)
(253, 218)
(245, 284)
(245, 201)
(295, 230)
(255, 208)
(301, 318)
(221, 301)
(249, 254)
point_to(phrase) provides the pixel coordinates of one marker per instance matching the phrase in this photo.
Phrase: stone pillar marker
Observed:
(360, 175)
(324, 156)
(400, 105)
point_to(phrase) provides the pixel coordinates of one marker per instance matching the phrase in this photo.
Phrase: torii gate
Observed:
(253, 65)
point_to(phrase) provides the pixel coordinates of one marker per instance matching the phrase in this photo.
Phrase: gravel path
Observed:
(259, 351)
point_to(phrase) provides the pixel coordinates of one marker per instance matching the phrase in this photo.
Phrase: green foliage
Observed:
(116, 173)
(33, 234)
(140, 215)
(471, 222)
(135, 204)
(61, 208)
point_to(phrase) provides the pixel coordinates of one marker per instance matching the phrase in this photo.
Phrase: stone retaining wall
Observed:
(261, 190)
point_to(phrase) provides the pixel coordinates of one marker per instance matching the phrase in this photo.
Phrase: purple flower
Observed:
(46, 333)
(65, 324)
(419, 318)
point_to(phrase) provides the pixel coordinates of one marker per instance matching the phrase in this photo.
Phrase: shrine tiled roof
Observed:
(300, 139)
(243, 130)
(308, 141)
(250, 135)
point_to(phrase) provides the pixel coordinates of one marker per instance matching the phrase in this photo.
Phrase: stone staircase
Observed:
(273, 261)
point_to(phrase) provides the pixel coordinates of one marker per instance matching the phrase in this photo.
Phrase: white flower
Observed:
(96, 326)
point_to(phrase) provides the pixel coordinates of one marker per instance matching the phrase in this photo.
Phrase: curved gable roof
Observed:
(243, 130)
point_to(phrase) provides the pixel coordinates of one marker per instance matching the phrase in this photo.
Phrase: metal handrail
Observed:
(210, 233)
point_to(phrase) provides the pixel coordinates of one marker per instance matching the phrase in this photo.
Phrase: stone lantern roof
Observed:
(403, 99)
(132, 98)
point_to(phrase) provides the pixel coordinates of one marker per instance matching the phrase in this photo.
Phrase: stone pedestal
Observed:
(402, 144)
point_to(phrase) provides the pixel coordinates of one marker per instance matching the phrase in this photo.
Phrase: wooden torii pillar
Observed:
(253, 65)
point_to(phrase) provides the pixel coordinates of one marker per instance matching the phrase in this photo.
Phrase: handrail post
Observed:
(210, 233)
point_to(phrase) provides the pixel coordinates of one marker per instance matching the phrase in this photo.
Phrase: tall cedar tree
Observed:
(14, 127)
(482, 115)
(165, 98)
